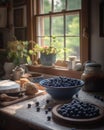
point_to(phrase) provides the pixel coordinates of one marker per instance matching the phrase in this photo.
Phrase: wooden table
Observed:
(18, 117)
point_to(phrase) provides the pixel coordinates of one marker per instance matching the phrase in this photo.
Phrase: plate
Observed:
(8, 86)
(72, 121)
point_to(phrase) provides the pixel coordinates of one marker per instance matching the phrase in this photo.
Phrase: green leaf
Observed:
(29, 60)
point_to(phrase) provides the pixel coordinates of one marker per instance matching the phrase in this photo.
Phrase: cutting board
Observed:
(23, 98)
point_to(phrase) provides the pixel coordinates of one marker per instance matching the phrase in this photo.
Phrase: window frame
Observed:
(63, 14)
(84, 32)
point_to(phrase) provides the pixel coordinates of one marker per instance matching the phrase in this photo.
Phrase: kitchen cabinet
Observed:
(20, 19)
(3, 17)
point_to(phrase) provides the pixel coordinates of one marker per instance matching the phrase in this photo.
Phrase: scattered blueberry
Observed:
(76, 95)
(99, 98)
(102, 99)
(96, 96)
(49, 108)
(46, 111)
(37, 104)
(48, 118)
(47, 101)
(29, 105)
(38, 109)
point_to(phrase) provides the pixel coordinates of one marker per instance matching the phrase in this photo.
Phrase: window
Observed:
(66, 20)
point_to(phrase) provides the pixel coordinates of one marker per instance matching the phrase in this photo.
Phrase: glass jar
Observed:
(72, 62)
(93, 77)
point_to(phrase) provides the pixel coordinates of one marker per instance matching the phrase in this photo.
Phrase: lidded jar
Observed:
(93, 77)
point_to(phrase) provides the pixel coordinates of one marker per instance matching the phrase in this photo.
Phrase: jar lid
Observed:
(93, 65)
(18, 68)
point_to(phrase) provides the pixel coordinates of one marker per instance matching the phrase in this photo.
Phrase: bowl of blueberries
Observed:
(62, 88)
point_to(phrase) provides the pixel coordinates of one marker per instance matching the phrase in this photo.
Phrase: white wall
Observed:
(97, 42)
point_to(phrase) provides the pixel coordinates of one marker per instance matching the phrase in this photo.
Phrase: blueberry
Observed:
(48, 118)
(29, 105)
(75, 110)
(38, 109)
(71, 112)
(64, 114)
(46, 112)
(76, 95)
(47, 101)
(37, 103)
(101, 99)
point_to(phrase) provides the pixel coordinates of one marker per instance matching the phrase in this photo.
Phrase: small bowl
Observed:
(62, 88)
(36, 77)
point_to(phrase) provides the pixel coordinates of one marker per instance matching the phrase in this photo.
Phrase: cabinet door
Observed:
(3, 17)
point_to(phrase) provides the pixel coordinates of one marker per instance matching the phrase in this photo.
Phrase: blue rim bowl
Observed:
(62, 92)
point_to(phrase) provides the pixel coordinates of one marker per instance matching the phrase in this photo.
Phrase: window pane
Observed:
(44, 41)
(59, 5)
(43, 26)
(74, 4)
(46, 26)
(73, 43)
(60, 46)
(72, 25)
(46, 6)
(57, 26)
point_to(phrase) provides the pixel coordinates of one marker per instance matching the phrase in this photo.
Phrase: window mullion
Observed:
(64, 35)
(66, 5)
(50, 18)
(52, 5)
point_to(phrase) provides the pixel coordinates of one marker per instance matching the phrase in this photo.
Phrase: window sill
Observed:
(55, 70)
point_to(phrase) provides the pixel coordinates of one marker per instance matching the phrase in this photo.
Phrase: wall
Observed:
(97, 42)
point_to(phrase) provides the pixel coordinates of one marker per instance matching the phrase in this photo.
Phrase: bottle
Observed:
(93, 77)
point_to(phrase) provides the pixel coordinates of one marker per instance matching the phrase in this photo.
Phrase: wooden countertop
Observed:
(30, 116)
(37, 120)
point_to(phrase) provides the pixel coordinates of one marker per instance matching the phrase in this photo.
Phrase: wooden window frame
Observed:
(85, 31)
(63, 14)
